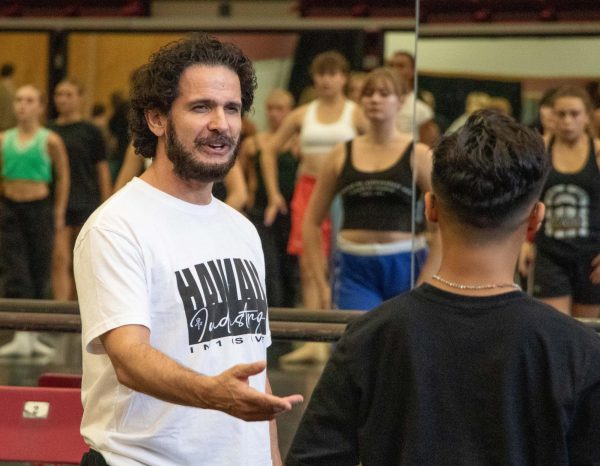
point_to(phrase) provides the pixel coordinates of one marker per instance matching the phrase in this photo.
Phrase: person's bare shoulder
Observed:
(54, 141)
(298, 114)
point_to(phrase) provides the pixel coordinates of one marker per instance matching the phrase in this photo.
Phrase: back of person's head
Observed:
(489, 173)
(387, 77)
(155, 85)
(329, 62)
(570, 90)
(7, 70)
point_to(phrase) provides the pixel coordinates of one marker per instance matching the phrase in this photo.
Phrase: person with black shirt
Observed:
(566, 271)
(373, 174)
(119, 131)
(466, 369)
(90, 180)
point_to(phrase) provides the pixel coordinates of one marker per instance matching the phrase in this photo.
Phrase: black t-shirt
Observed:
(435, 378)
(85, 148)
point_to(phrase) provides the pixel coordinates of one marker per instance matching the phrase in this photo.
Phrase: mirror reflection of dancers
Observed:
(373, 173)
(321, 124)
(33, 158)
(566, 267)
(281, 267)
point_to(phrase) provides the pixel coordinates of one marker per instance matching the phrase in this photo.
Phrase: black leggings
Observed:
(26, 240)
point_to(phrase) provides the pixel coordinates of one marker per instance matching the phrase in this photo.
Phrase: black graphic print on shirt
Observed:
(222, 298)
(567, 212)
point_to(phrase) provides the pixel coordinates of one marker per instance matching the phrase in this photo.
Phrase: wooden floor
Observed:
(298, 378)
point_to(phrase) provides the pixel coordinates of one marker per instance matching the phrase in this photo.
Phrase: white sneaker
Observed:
(21, 346)
(39, 348)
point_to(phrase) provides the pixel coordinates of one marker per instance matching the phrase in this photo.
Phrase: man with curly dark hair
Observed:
(171, 281)
(466, 369)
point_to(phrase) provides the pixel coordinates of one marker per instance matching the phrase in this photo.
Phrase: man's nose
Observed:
(217, 122)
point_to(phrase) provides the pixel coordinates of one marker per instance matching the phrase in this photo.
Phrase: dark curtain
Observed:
(311, 43)
(450, 93)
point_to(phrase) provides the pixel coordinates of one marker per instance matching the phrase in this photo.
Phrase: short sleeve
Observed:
(111, 285)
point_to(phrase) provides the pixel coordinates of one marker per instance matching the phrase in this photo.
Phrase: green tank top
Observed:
(29, 161)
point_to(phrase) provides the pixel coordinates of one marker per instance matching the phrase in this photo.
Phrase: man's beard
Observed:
(187, 167)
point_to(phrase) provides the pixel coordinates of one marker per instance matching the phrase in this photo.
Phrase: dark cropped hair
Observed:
(156, 85)
(488, 172)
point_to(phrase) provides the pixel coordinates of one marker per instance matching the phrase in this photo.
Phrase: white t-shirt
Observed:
(194, 275)
(423, 113)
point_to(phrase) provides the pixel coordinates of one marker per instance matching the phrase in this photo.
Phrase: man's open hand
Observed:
(233, 395)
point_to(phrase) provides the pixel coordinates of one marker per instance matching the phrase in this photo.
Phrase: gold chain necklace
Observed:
(460, 286)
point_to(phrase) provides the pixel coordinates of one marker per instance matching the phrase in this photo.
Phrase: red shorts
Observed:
(304, 188)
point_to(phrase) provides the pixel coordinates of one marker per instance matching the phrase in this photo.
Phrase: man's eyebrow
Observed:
(213, 102)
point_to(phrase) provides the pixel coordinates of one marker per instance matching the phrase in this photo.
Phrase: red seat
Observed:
(40, 424)
(56, 379)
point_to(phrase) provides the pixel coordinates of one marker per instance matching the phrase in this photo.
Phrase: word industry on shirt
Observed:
(223, 298)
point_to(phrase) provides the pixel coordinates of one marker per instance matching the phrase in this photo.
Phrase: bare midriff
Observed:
(25, 190)
(310, 164)
(372, 236)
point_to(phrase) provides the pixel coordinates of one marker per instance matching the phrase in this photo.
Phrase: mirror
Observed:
(476, 65)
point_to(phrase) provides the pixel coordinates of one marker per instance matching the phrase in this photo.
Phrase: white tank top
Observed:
(318, 138)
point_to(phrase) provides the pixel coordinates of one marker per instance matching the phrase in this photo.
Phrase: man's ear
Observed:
(536, 216)
(157, 122)
(431, 207)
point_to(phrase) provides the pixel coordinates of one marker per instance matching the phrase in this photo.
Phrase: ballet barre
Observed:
(285, 323)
